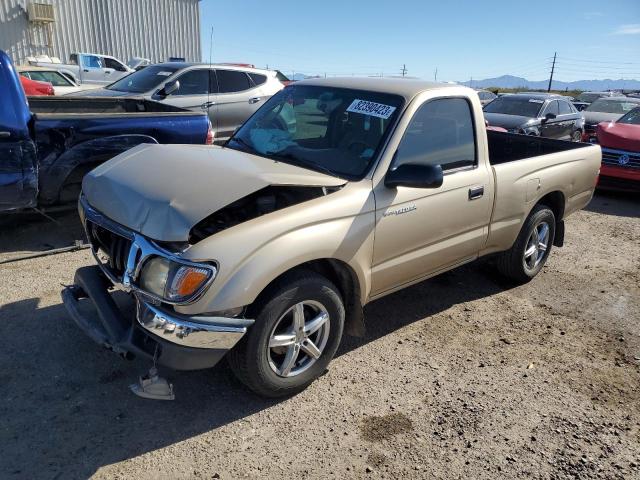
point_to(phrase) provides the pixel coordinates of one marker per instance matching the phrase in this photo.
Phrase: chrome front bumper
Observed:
(176, 341)
(196, 332)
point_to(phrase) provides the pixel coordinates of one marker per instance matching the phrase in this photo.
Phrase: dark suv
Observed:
(539, 114)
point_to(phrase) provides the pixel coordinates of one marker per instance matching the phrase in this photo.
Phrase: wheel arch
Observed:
(343, 276)
(556, 201)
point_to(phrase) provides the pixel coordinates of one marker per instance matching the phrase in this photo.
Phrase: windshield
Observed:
(633, 117)
(54, 78)
(333, 130)
(514, 105)
(144, 80)
(605, 105)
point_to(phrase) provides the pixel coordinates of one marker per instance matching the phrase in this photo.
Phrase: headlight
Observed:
(174, 281)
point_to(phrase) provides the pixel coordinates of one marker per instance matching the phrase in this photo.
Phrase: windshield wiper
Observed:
(301, 163)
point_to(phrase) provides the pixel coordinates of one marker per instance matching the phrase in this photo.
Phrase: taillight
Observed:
(210, 135)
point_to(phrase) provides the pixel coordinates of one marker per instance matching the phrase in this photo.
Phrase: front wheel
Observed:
(297, 331)
(531, 249)
(576, 136)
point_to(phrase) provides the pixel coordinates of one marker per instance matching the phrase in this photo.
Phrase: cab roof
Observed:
(404, 87)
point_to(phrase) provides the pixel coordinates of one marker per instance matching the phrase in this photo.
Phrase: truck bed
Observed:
(509, 147)
(101, 106)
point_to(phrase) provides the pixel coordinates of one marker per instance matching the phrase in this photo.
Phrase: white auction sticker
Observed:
(164, 74)
(533, 100)
(365, 107)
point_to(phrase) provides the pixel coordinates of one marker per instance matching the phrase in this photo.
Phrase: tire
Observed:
(525, 258)
(274, 358)
(576, 136)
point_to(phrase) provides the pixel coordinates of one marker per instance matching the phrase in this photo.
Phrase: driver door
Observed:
(421, 231)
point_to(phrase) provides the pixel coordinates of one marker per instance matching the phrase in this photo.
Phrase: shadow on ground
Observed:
(86, 417)
(621, 204)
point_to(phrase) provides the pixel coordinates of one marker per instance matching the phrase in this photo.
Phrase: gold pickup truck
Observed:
(334, 193)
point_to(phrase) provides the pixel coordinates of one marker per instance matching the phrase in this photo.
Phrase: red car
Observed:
(32, 87)
(620, 142)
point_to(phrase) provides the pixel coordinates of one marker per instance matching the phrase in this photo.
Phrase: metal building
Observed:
(153, 29)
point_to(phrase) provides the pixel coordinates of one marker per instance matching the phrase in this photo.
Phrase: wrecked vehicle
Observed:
(47, 144)
(335, 193)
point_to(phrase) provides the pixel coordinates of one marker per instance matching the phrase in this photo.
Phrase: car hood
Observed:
(162, 191)
(593, 118)
(620, 136)
(506, 121)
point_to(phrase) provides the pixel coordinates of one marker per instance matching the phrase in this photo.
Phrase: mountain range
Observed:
(509, 81)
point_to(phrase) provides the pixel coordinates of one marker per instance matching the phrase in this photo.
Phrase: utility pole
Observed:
(553, 67)
(435, 75)
(471, 81)
(404, 69)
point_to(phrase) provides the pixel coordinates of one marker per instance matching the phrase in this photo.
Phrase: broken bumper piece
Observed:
(178, 342)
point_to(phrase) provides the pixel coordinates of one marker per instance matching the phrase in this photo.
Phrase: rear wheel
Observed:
(531, 249)
(297, 331)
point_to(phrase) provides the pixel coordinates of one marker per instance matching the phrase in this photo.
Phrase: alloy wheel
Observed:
(537, 245)
(298, 338)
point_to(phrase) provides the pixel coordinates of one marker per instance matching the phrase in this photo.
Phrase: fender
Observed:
(54, 172)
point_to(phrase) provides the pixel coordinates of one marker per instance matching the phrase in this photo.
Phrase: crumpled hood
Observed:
(162, 191)
(506, 121)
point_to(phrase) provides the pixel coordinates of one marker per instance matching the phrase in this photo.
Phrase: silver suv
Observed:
(229, 93)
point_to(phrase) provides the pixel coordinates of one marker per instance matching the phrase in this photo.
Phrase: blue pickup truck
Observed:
(47, 144)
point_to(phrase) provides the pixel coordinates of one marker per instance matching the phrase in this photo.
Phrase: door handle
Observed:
(206, 105)
(254, 100)
(86, 71)
(476, 192)
(5, 134)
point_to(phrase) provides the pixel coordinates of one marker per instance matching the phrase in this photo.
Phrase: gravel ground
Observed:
(462, 376)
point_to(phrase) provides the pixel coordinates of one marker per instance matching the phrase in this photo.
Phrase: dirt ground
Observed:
(462, 376)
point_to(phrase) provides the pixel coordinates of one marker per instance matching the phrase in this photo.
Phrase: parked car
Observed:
(61, 83)
(486, 96)
(49, 143)
(590, 97)
(266, 249)
(620, 142)
(32, 87)
(539, 114)
(92, 68)
(138, 63)
(605, 109)
(229, 93)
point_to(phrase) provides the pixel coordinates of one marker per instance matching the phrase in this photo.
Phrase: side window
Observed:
(551, 108)
(564, 108)
(230, 81)
(111, 63)
(193, 82)
(91, 61)
(440, 133)
(258, 79)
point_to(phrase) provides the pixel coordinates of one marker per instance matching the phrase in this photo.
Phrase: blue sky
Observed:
(595, 39)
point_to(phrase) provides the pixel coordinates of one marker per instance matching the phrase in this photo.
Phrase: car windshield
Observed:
(332, 130)
(144, 80)
(54, 78)
(514, 105)
(605, 105)
(633, 117)
(589, 97)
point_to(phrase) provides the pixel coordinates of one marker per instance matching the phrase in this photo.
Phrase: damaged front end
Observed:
(152, 328)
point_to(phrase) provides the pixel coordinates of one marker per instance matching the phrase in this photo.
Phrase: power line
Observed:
(597, 61)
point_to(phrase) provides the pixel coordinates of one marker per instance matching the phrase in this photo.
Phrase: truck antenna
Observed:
(208, 104)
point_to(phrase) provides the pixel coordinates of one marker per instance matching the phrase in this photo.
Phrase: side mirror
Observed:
(548, 116)
(415, 176)
(169, 88)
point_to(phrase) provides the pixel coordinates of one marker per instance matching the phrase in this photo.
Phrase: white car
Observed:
(62, 84)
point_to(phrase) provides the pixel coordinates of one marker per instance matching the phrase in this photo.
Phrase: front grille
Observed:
(110, 247)
(620, 158)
